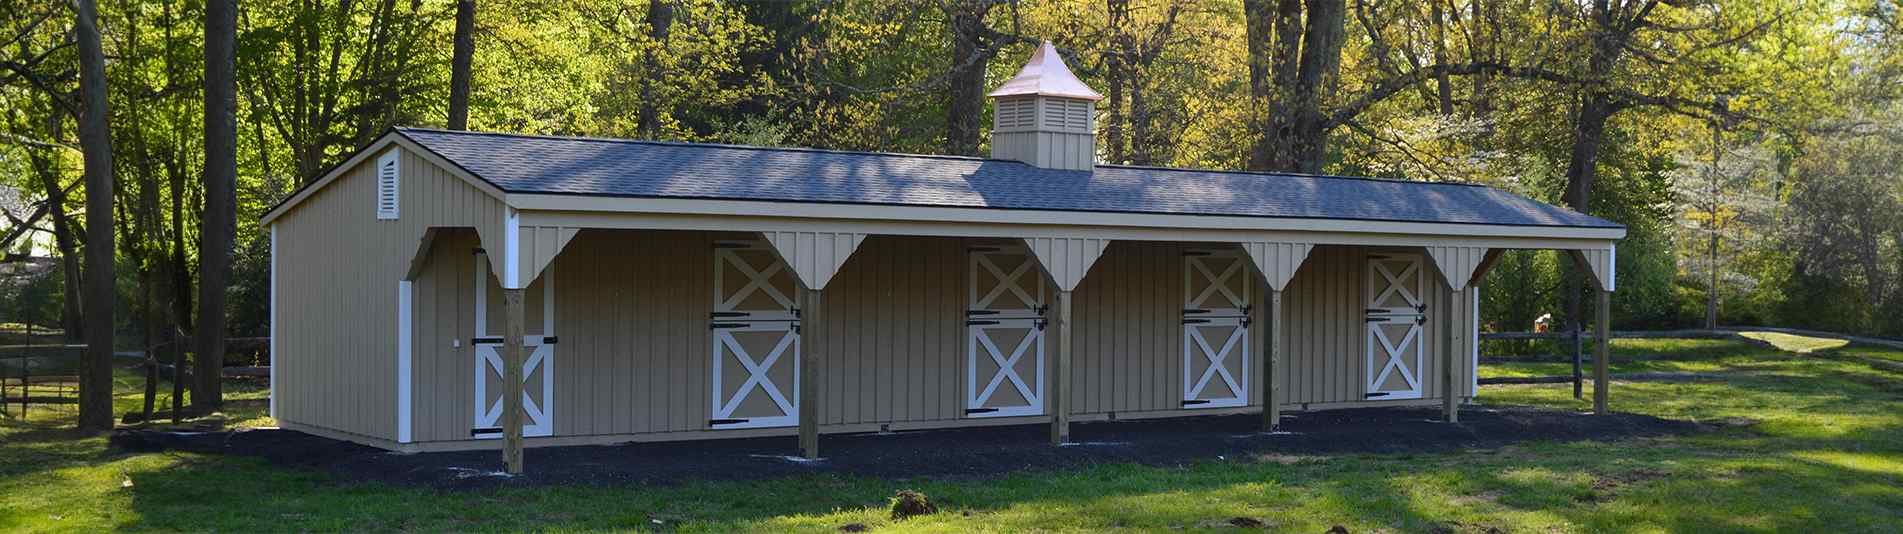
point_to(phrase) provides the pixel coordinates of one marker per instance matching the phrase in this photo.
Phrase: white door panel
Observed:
(1217, 288)
(1004, 342)
(756, 338)
(538, 369)
(1395, 345)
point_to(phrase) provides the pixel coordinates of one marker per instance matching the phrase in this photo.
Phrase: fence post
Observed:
(1579, 349)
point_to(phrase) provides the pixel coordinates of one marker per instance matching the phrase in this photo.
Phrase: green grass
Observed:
(1796, 343)
(1825, 455)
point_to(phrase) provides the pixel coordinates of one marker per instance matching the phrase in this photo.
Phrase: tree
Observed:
(221, 178)
(1727, 205)
(95, 385)
(1846, 214)
(464, 53)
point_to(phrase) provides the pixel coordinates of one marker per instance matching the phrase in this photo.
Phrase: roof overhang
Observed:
(751, 215)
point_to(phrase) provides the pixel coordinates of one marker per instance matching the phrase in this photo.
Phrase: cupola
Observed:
(1044, 115)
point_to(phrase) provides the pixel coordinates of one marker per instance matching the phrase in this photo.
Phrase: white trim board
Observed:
(404, 322)
(275, 355)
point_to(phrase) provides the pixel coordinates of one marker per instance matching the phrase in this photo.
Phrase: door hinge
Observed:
(486, 341)
(1376, 394)
(969, 411)
(473, 432)
(1194, 402)
(718, 422)
(979, 322)
(717, 326)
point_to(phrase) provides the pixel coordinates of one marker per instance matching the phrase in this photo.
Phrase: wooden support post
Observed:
(512, 380)
(1601, 352)
(812, 343)
(1060, 372)
(1272, 343)
(1450, 359)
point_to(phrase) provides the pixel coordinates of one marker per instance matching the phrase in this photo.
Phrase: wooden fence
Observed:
(1578, 339)
(38, 374)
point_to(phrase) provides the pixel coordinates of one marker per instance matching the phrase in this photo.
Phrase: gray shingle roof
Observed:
(608, 167)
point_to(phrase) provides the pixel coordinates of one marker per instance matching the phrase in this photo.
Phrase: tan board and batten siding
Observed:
(338, 268)
(633, 362)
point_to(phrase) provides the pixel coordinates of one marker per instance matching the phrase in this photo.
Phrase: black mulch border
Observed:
(966, 452)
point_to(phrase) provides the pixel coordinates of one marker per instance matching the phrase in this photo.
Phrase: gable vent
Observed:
(387, 185)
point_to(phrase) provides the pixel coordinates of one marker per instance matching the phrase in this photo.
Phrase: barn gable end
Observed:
(341, 255)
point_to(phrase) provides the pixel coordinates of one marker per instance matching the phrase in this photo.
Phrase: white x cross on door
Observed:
(538, 369)
(756, 338)
(1395, 347)
(1004, 343)
(1216, 316)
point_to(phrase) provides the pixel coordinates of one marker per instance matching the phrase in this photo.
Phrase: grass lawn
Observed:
(1825, 455)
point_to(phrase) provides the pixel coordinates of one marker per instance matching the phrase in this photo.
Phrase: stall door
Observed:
(1004, 358)
(538, 374)
(756, 339)
(1216, 310)
(1395, 315)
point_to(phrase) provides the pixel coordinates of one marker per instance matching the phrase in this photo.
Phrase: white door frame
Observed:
(729, 317)
(1217, 304)
(1384, 355)
(539, 418)
(1025, 284)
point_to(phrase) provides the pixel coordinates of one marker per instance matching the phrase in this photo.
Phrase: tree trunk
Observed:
(1321, 63)
(465, 51)
(181, 294)
(1711, 291)
(1275, 49)
(221, 170)
(95, 375)
(660, 24)
(1119, 11)
(970, 58)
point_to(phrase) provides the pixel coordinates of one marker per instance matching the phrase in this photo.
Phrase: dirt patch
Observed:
(1606, 488)
(960, 452)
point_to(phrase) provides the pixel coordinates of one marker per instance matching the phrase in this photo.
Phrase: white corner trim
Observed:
(511, 249)
(482, 295)
(1473, 373)
(404, 314)
(275, 360)
(1612, 267)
